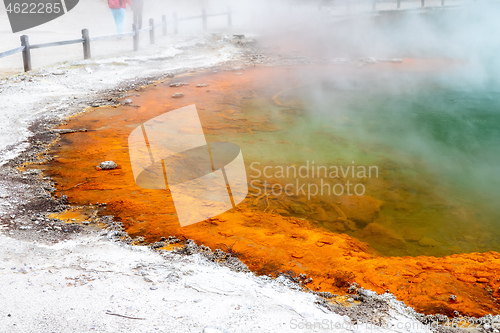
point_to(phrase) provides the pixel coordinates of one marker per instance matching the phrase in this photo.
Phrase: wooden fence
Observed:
(86, 40)
(374, 3)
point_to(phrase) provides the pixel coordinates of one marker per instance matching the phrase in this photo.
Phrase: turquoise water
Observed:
(442, 142)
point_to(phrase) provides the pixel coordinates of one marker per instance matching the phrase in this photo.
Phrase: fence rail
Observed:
(64, 42)
(11, 52)
(115, 36)
(86, 40)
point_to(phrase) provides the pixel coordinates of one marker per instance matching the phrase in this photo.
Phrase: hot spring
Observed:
(383, 171)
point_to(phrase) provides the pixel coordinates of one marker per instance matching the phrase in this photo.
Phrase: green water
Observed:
(442, 141)
(434, 140)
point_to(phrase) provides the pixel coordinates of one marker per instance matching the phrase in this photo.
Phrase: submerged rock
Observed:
(282, 212)
(339, 226)
(386, 235)
(427, 241)
(297, 209)
(361, 209)
(321, 215)
(350, 225)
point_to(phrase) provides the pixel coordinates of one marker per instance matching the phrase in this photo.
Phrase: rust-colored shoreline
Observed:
(266, 242)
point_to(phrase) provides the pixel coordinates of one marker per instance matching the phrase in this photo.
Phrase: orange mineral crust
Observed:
(263, 236)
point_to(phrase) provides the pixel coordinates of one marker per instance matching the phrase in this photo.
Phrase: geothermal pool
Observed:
(400, 156)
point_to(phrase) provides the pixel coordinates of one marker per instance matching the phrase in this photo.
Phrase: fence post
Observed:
(86, 44)
(204, 18)
(229, 16)
(151, 31)
(423, 2)
(176, 22)
(164, 24)
(26, 53)
(399, 3)
(136, 36)
(442, 2)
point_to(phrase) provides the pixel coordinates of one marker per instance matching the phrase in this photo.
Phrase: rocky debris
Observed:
(157, 245)
(107, 165)
(67, 130)
(353, 287)
(178, 84)
(453, 298)
(64, 199)
(325, 294)
(201, 85)
(115, 231)
(219, 256)
(301, 280)
(172, 239)
(240, 40)
(178, 95)
(129, 102)
(25, 215)
(372, 308)
(191, 248)
(376, 309)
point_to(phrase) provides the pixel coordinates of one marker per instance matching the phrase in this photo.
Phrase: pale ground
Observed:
(76, 285)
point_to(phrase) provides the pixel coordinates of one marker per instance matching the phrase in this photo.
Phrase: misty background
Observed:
(320, 29)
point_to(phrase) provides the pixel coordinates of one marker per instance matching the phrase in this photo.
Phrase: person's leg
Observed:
(120, 18)
(114, 12)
